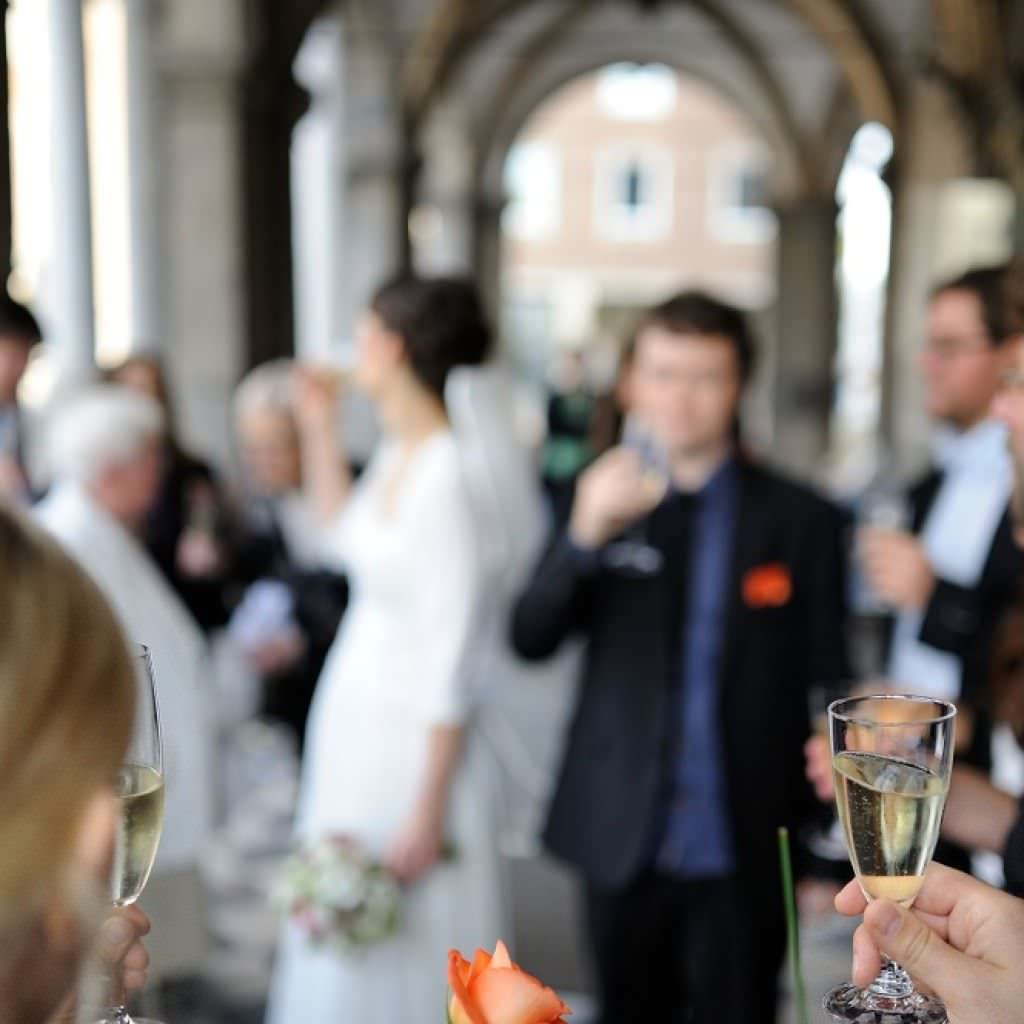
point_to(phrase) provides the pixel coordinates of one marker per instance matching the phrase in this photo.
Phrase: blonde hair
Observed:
(67, 702)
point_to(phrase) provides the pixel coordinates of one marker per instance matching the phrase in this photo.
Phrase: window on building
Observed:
(533, 186)
(739, 204)
(633, 195)
(637, 92)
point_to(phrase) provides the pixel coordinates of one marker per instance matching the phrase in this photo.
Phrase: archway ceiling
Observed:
(782, 61)
(504, 87)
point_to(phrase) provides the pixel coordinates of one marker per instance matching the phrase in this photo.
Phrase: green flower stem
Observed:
(792, 928)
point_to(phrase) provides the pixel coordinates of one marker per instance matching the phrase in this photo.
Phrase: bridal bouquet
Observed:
(338, 896)
(493, 990)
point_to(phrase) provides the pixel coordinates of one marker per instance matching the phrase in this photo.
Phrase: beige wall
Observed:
(575, 263)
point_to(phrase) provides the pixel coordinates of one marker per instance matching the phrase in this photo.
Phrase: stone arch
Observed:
(502, 127)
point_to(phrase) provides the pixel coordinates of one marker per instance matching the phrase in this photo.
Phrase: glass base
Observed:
(121, 1016)
(864, 1006)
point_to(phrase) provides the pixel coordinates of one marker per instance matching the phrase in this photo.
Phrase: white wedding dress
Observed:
(400, 665)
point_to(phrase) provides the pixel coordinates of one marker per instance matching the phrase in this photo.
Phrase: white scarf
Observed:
(957, 537)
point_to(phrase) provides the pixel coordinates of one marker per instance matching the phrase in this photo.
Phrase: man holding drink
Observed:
(710, 605)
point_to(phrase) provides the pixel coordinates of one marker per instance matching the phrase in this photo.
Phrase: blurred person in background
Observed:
(980, 815)
(105, 452)
(951, 576)
(66, 700)
(611, 409)
(292, 604)
(19, 334)
(392, 756)
(570, 413)
(1008, 405)
(186, 530)
(684, 755)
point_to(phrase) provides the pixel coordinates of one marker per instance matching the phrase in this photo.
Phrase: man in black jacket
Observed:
(684, 754)
(951, 576)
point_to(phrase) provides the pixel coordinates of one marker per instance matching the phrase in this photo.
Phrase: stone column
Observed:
(202, 58)
(487, 245)
(933, 151)
(315, 200)
(443, 225)
(371, 165)
(806, 318)
(144, 157)
(69, 295)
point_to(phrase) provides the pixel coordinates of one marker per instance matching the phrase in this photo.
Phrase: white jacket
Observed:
(151, 613)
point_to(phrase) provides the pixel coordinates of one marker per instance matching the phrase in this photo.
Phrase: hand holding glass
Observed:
(140, 786)
(634, 553)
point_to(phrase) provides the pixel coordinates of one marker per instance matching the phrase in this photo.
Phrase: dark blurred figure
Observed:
(571, 406)
(979, 815)
(710, 606)
(19, 334)
(186, 531)
(951, 576)
(611, 409)
(291, 608)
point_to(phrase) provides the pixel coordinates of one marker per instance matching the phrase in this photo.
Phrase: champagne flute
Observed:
(891, 759)
(634, 554)
(140, 786)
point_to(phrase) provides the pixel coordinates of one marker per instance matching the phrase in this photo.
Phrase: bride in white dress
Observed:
(392, 757)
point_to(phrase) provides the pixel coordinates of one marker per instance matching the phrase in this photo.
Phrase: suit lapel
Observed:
(748, 539)
(922, 497)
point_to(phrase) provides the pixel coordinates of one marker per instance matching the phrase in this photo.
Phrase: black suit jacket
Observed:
(614, 779)
(962, 620)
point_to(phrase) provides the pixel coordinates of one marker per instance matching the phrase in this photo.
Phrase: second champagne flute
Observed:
(140, 785)
(891, 759)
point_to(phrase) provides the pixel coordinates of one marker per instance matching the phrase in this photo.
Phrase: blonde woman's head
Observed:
(66, 707)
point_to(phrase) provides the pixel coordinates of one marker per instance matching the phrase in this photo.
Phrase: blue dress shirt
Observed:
(696, 839)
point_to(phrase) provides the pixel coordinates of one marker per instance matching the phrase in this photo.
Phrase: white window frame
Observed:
(612, 220)
(545, 227)
(727, 220)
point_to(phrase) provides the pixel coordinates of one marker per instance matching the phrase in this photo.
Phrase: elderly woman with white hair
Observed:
(104, 451)
(291, 610)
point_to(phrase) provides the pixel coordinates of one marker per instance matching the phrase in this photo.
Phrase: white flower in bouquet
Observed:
(338, 896)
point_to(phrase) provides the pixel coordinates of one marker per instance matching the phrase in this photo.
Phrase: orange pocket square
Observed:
(767, 586)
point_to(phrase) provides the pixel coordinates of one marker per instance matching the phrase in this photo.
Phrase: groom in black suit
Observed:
(709, 610)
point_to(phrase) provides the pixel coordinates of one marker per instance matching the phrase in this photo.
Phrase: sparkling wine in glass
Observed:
(140, 786)
(634, 554)
(891, 759)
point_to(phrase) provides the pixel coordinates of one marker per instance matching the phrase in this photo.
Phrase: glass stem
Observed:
(117, 1000)
(892, 981)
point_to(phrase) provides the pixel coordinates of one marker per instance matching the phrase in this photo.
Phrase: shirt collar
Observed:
(721, 479)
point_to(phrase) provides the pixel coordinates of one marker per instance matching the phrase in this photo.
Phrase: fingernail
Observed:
(116, 932)
(888, 920)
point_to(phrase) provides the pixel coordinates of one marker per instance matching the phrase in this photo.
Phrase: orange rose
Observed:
(492, 990)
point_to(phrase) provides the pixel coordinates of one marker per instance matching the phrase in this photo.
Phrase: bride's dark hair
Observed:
(441, 322)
